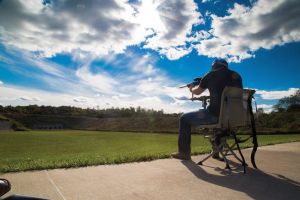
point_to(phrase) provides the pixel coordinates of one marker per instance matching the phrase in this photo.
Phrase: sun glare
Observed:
(149, 16)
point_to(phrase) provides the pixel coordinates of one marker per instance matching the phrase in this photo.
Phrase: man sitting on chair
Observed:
(215, 81)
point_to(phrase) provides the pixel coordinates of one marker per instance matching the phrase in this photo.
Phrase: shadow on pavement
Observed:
(255, 183)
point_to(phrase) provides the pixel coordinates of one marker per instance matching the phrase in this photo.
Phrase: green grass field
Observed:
(33, 150)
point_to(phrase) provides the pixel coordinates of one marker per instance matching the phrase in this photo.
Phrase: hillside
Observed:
(127, 119)
(11, 124)
(138, 123)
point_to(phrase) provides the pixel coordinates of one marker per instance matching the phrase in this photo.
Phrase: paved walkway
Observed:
(278, 178)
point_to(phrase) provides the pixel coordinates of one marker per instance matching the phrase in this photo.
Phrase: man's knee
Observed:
(182, 118)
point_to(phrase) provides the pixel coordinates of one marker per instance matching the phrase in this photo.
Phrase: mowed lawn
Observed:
(32, 150)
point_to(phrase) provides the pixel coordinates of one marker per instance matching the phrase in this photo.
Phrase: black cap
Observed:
(219, 64)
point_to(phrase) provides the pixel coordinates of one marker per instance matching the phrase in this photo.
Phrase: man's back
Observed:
(215, 82)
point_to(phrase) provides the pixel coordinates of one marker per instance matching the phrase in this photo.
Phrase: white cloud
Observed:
(46, 73)
(100, 82)
(174, 53)
(142, 65)
(214, 1)
(80, 99)
(205, 1)
(12, 95)
(266, 107)
(270, 95)
(266, 24)
(178, 18)
(47, 67)
(105, 28)
(200, 35)
(1, 83)
(36, 99)
(160, 86)
(102, 27)
(27, 98)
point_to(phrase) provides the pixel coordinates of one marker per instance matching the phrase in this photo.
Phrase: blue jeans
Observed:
(187, 120)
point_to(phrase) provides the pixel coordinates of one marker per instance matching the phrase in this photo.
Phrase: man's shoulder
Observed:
(234, 75)
(230, 74)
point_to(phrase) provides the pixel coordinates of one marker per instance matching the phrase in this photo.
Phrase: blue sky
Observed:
(103, 54)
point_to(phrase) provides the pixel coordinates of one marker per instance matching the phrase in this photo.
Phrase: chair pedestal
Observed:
(222, 147)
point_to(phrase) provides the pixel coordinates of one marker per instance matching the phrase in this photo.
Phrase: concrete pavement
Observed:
(278, 178)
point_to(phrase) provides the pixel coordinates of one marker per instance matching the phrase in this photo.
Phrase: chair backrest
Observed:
(234, 111)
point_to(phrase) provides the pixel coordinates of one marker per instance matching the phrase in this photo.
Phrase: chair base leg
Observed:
(228, 167)
(221, 149)
(207, 157)
(240, 152)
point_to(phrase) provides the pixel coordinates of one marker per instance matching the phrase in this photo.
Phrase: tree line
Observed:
(89, 112)
(285, 115)
(289, 104)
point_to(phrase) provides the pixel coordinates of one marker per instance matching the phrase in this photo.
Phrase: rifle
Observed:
(196, 81)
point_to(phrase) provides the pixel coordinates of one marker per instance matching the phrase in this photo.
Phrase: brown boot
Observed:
(215, 147)
(181, 156)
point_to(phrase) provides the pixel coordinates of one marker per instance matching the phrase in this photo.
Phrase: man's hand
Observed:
(197, 91)
(191, 90)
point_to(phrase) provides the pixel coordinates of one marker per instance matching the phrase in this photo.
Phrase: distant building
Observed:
(5, 125)
(48, 126)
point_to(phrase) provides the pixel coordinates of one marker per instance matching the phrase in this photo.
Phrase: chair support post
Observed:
(240, 152)
(253, 128)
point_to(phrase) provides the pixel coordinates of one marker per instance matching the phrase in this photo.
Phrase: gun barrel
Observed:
(183, 86)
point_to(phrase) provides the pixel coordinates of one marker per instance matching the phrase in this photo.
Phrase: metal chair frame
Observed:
(241, 103)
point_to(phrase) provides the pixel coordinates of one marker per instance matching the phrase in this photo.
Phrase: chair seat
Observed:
(210, 126)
